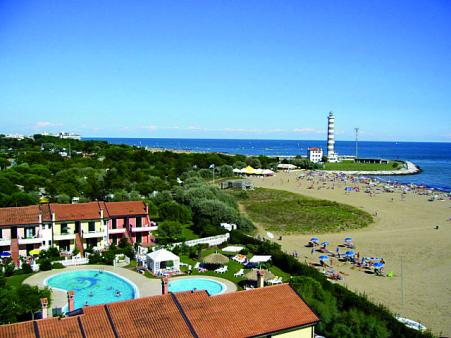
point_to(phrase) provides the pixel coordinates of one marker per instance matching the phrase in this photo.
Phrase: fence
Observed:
(211, 241)
(73, 262)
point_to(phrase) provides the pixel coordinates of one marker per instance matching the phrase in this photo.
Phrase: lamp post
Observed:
(356, 141)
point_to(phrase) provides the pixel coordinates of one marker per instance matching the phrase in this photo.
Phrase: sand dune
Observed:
(403, 230)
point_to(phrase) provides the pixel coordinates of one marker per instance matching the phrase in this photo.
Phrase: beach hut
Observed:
(161, 260)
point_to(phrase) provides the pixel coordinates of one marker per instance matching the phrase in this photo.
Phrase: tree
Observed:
(169, 232)
(29, 299)
(172, 211)
(226, 171)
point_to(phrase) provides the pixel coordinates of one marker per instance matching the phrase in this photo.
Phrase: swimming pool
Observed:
(187, 284)
(93, 286)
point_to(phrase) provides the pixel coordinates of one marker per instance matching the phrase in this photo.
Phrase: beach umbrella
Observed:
(252, 275)
(325, 243)
(348, 239)
(323, 258)
(378, 265)
(216, 258)
(5, 254)
(35, 252)
(349, 253)
(314, 239)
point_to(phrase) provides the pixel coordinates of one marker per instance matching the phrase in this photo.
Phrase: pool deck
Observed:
(146, 286)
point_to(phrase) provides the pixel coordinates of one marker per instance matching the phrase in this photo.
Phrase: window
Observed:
(64, 229)
(138, 222)
(1, 233)
(126, 221)
(114, 223)
(29, 232)
(92, 226)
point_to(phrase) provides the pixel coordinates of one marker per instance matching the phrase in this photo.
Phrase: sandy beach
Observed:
(404, 230)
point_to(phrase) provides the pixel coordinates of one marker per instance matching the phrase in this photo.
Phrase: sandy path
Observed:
(403, 230)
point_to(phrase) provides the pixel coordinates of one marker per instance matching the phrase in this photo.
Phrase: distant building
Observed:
(371, 160)
(286, 166)
(315, 155)
(237, 184)
(65, 135)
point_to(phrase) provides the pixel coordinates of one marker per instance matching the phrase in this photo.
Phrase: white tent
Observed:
(157, 260)
(260, 259)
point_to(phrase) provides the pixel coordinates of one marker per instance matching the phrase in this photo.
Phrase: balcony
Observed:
(142, 229)
(63, 237)
(5, 241)
(93, 234)
(30, 240)
(116, 231)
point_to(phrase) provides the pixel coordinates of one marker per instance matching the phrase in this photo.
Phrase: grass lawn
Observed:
(187, 233)
(350, 166)
(286, 212)
(17, 279)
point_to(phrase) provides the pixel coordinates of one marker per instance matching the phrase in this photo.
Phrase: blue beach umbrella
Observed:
(378, 265)
(325, 243)
(349, 253)
(323, 258)
(348, 239)
(314, 239)
(5, 254)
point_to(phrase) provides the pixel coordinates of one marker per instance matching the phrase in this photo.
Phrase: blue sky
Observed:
(227, 69)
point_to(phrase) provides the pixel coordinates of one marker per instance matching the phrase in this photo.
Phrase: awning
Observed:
(260, 259)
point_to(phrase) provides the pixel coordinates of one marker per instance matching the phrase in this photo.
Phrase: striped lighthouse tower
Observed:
(331, 156)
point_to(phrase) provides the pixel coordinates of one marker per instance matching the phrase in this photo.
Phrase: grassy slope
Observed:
(350, 165)
(17, 279)
(286, 212)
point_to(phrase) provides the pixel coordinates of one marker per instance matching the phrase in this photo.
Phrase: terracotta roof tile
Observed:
(19, 215)
(126, 208)
(156, 316)
(95, 322)
(19, 330)
(59, 328)
(74, 212)
(246, 313)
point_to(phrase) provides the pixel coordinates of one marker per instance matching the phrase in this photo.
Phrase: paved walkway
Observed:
(146, 286)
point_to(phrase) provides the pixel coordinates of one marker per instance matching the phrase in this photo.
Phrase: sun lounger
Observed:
(239, 273)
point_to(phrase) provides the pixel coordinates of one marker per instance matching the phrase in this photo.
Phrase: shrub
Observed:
(45, 265)
(172, 211)
(57, 265)
(26, 268)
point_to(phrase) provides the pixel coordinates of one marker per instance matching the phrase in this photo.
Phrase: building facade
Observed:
(69, 226)
(315, 155)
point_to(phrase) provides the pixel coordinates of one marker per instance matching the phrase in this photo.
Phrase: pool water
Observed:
(189, 284)
(93, 287)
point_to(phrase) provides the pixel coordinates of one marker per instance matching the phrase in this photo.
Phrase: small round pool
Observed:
(188, 284)
(93, 286)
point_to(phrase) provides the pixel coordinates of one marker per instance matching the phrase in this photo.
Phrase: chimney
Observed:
(101, 213)
(260, 278)
(53, 217)
(40, 218)
(164, 286)
(70, 300)
(44, 304)
(147, 209)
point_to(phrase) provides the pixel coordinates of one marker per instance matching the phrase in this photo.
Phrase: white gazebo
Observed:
(157, 261)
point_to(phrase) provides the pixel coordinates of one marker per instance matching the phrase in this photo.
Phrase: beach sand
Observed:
(404, 229)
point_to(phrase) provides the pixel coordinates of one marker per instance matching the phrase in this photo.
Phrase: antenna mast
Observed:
(356, 142)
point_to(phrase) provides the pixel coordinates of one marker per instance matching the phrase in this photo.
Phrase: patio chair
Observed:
(225, 269)
(219, 270)
(239, 273)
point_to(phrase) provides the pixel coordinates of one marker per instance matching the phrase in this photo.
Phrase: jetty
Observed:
(409, 168)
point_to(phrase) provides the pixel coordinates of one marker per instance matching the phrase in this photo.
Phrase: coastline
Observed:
(403, 233)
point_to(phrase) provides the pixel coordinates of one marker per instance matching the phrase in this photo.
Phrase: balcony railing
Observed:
(146, 228)
(64, 236)
(36, 239)
(5, 241)
(117, 231)
(93, 234)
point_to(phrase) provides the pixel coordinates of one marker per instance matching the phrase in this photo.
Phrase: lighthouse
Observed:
(331, 156)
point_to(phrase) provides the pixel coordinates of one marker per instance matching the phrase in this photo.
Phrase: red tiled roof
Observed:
(95, 322)
(74, 212)
(239, 314)
(247, 313)
(57, 328)
(156, 316)
(22, 330)
(20, 215)
(125, 208)
(314, 149)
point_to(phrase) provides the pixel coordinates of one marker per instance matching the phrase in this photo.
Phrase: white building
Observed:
(315, 155)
